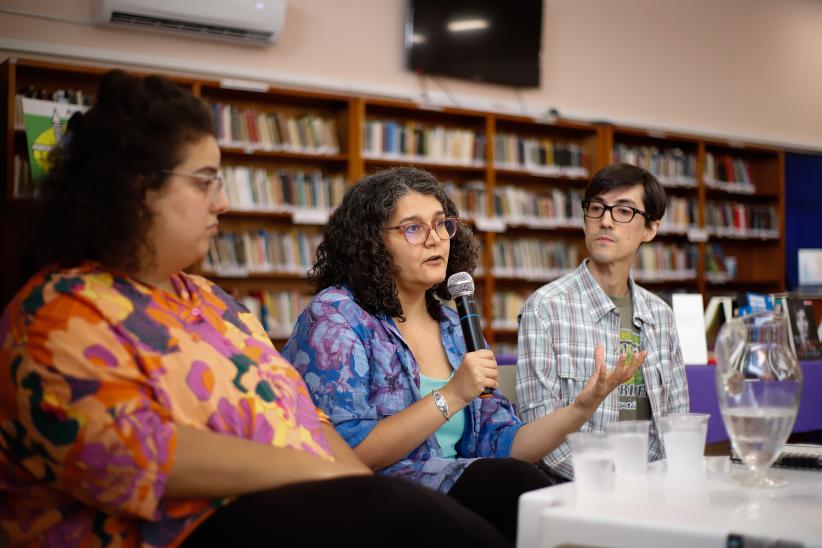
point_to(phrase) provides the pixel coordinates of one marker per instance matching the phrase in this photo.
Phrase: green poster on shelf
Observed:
(45, 123)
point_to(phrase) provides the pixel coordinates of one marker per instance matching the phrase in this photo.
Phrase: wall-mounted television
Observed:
(492, 41)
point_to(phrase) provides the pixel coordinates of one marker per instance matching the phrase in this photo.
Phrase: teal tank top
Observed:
(449, 434)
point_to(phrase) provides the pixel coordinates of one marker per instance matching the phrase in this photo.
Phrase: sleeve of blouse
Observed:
(332, 359)
(86, 416)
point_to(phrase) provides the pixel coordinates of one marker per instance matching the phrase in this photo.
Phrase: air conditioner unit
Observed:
(256, 22)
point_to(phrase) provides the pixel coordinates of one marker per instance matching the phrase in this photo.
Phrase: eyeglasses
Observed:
(417, 233)
(204, 181)
(620, 213)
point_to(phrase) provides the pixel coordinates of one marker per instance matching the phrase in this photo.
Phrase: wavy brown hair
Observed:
(353, 251)
(93, 199)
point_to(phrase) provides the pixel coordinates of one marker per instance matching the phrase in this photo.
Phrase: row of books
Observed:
(680, 215)
(555, 207)
(737, 220)
(276, 310)
(388, 139)
(470, 198)
(673, 167)
(728, 173)
(659, 262)
(533, 259)
(719, 267)
(542, 156)
(241, 254)
(260, 189)
(275, 131)
(507, 306)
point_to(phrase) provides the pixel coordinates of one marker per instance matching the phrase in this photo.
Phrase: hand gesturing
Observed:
(602, 382)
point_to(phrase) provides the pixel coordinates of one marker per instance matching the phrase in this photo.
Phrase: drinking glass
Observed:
(629, 442)
(593, 462)
(684, 439)
(758, 383)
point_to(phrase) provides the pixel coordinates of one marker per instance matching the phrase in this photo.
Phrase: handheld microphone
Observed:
(461, 287)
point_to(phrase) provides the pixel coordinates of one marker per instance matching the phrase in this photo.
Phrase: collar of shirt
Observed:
(451, 340)
(600, 304)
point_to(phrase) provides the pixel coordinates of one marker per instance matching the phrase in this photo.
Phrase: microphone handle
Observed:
(471, 327)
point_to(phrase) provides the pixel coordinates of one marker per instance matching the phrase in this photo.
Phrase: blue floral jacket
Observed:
(359, 370)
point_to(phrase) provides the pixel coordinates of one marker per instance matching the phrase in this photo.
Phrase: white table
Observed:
(669, 512)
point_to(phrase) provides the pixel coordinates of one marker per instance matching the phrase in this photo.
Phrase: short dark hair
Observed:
(353, 251)
(624, 175)
(92, 204)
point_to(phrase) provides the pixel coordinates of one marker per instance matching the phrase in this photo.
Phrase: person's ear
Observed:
(650, 231)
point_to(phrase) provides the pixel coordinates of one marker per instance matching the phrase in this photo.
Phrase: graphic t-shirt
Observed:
(633, 396)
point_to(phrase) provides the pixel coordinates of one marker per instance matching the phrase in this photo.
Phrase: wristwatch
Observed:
(441, 403)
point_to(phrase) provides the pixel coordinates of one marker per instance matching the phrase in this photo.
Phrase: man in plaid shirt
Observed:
(599, 304)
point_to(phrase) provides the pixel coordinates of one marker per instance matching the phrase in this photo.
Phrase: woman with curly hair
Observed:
(388, 364)
(140, 405)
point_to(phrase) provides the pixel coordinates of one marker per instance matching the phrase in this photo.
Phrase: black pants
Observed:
(491, 488)
(369, 511)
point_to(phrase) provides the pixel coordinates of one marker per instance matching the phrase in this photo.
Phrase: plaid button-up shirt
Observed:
(562, 323)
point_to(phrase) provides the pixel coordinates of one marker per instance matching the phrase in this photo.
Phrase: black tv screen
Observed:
(492, 41)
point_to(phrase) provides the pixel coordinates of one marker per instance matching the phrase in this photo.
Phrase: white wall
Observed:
(749, 69)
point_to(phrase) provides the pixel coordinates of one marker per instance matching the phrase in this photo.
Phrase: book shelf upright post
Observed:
(489, 238)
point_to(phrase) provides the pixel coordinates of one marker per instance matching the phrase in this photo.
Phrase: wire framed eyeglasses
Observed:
(417, 233)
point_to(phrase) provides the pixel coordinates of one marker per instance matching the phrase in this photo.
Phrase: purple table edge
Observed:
(702, 390)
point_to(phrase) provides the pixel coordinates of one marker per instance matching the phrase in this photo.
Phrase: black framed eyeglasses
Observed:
(620, 213)
(417, 233)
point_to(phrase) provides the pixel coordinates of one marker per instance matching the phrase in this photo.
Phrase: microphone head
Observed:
(460, 284)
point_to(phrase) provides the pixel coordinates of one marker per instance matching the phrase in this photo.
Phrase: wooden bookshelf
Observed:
(517, 180)
(757, 254)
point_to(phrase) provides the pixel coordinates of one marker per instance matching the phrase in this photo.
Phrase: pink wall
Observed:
(749, 69)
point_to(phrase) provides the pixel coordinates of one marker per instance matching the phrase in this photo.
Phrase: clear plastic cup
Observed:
(684, 439)
(629, 442)
(593, 461)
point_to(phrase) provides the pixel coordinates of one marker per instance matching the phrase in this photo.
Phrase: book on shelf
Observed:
(658, 262)
(737, 220)
(242, 254)
(557, 208)
(804, 328)
(719, 310)
(680, 215)
(690, 327)
(412, 141)
(728, 173)
(252, 130)
(533, 258)
(470, 198)
(45, 123)
(276, 310)
(542, 156)
(719, 268)
(507, 307)
(673, 167)
(263, 189)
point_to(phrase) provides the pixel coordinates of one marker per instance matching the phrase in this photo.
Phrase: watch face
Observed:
(442, 405)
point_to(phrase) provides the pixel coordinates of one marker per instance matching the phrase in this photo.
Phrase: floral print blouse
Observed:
(96, 372)
(360, 370)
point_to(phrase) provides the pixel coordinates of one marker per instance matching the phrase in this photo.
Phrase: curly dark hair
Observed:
(92, 204)
(353, 251)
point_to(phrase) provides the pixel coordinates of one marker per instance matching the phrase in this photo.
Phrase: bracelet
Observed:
(441, 403)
